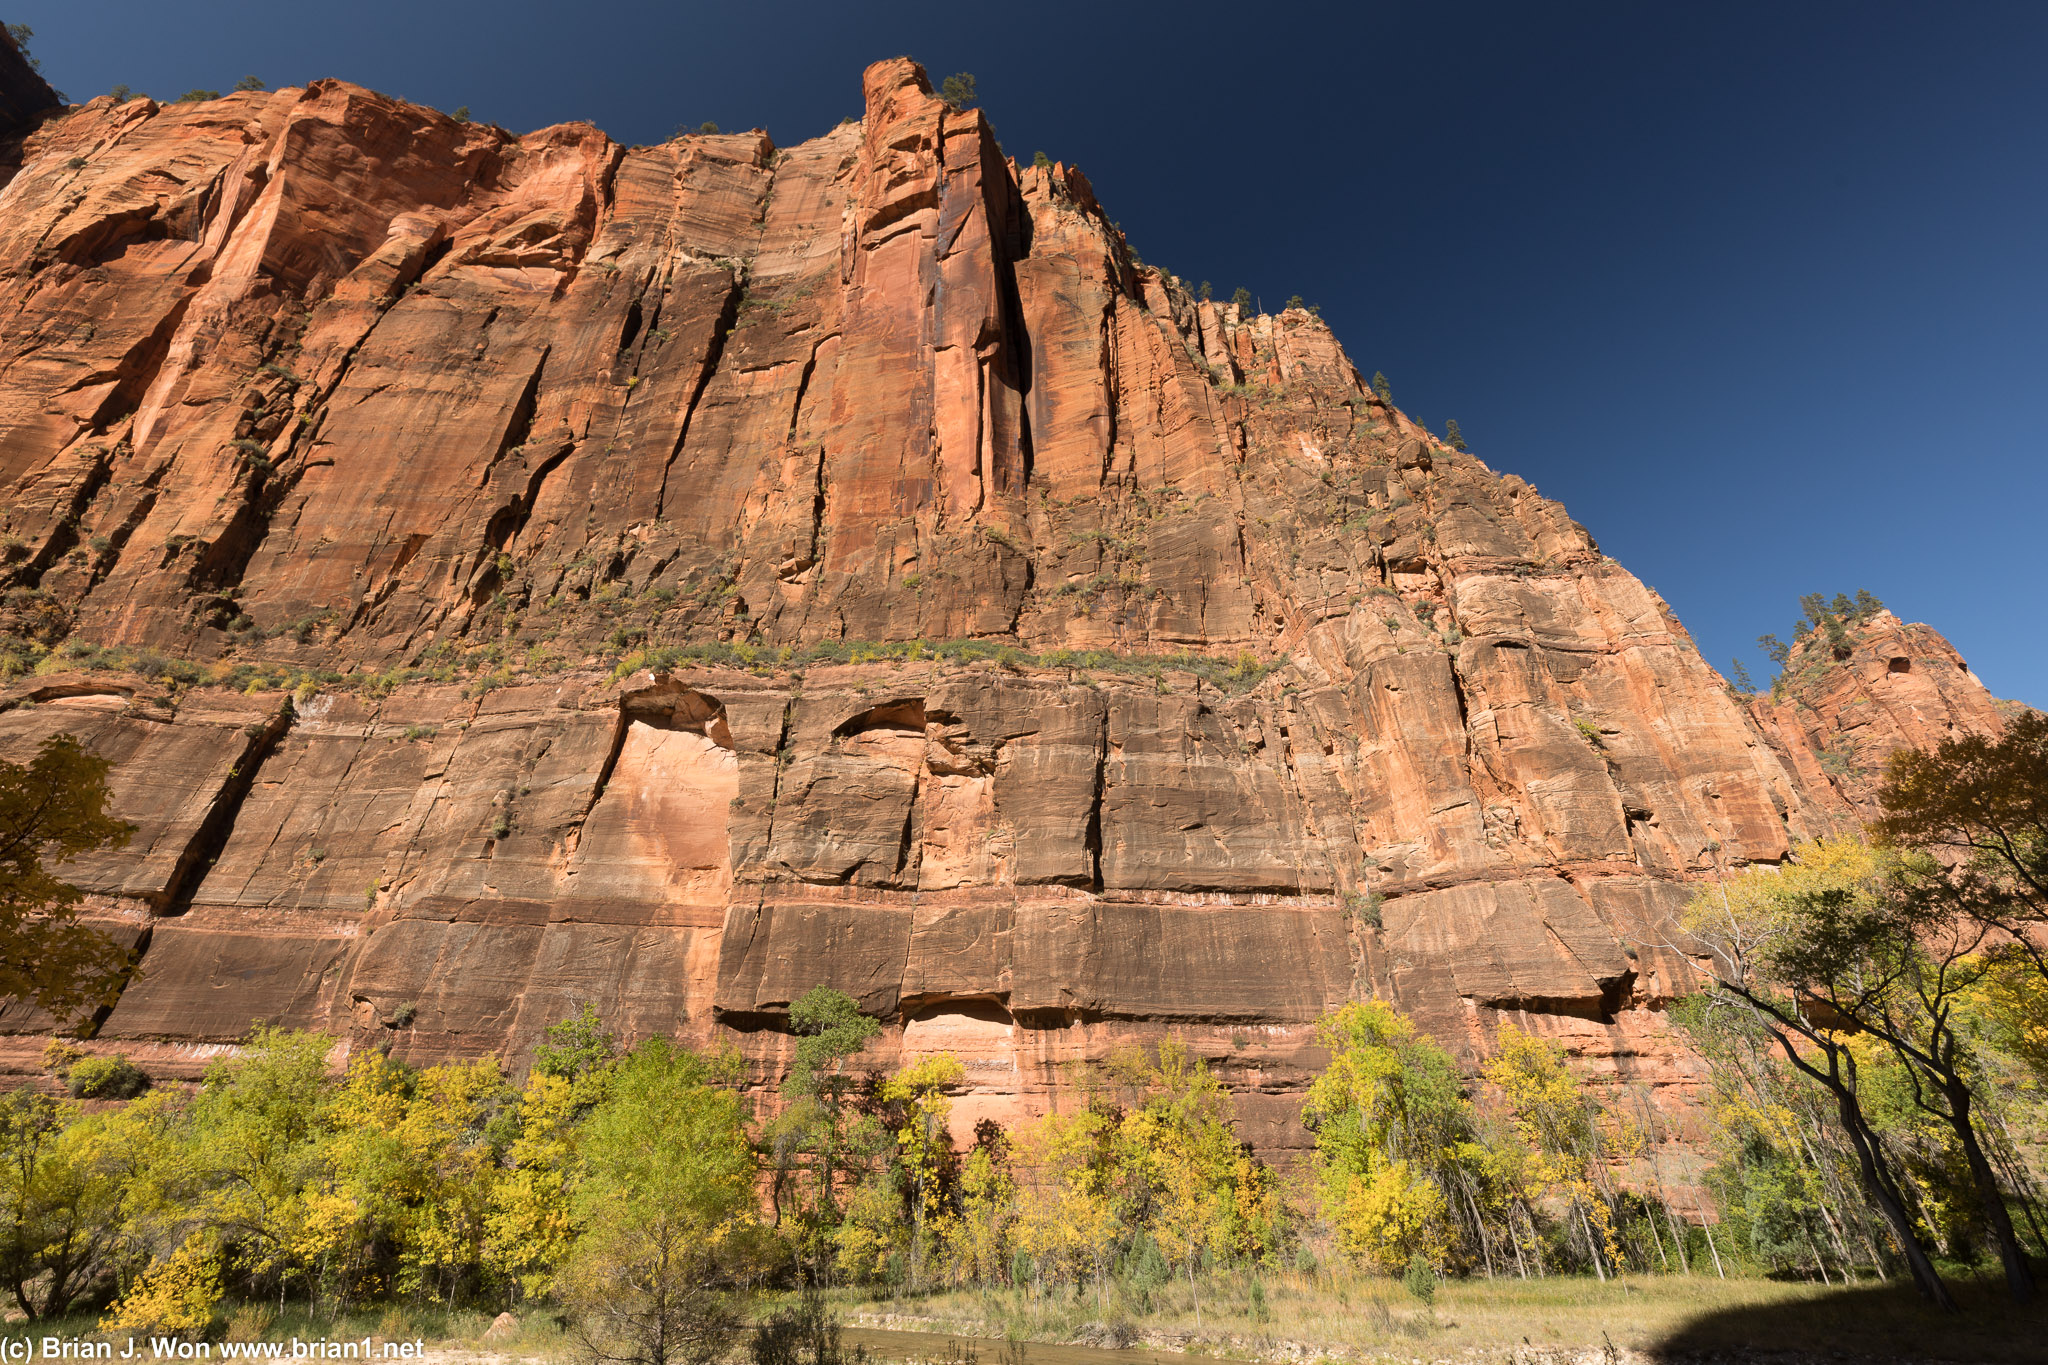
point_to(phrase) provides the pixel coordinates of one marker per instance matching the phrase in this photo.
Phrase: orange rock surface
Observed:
(1835, 721)
(612, 498)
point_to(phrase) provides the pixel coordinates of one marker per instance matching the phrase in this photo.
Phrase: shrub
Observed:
(251, 83)
(1420, 1279)
(249, 1322)
(461, 114)
(198, 96)
(105, 1078)
(1041, 160)
(176, 1294)
(1364, 906)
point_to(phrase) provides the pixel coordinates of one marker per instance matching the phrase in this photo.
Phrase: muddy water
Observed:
(945, 1348)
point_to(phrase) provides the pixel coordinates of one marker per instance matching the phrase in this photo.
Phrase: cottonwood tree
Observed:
(59, 1204)
(665, 1202)
(818, 1129)
(1873, 938)
(1983, 803)
(1750, 936)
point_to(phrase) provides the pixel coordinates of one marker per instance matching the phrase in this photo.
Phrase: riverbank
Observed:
(1306, 1319)
(1283, 1319)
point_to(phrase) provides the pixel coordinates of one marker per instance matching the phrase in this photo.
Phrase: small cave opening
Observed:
(906, 714)
(669, 705)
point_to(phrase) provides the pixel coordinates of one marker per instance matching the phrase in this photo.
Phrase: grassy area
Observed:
(445, 1330)
(1287, 1317)
(1301, 1317)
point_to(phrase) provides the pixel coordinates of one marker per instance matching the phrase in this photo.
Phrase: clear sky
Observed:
(1760, 291)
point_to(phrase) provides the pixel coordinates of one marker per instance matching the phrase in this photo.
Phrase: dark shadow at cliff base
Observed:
(1878, 1322)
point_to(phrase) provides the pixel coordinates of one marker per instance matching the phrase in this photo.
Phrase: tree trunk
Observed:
(1713, 1250)
(2019, 1276)
(1878, 1183)
(1592, 1242)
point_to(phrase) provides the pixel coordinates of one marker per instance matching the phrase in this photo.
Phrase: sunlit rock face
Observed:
(618, 496)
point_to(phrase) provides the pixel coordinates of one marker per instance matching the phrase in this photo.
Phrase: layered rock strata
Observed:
(1837, 714)
(710, 570)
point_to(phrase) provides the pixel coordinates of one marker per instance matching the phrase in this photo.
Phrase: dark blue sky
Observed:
(1760, 291)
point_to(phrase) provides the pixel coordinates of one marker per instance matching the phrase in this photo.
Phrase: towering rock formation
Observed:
(1837, 714)
(509, 571)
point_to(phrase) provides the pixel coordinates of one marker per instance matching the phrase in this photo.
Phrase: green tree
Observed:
(1740, 674)
(461, 114)
(60, 1202)
(52, 809)
(1783, 1177)
(665, 1204)
(251, 83)
(1559, 1125)
(957, 90)
(1453, 437)
(1867, 936)
(1177, 1154)
(20, 34)
(980, 1238)
(577, 1046)
(1387, 1115)
(253, 1163)
(1381, 387)
(196, 96)
(1742, 930)
(817, 1129)
(924, 1149)
(1040, 160)
(1982, 804)
(1204, 290)
(408, 1153)
(1241, 299)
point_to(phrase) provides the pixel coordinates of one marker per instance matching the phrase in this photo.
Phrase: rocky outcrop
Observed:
(709, 570)
(1838, 713)
(25, 98)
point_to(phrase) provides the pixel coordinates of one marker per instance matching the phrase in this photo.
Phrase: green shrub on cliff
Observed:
(957, 90)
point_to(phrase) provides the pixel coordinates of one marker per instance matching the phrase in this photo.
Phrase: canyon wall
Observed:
(512, 571)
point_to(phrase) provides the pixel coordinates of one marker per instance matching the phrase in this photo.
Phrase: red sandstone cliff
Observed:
(315, 379)
(1836, 721)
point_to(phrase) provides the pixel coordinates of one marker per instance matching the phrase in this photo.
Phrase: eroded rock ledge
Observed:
(318, 380)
